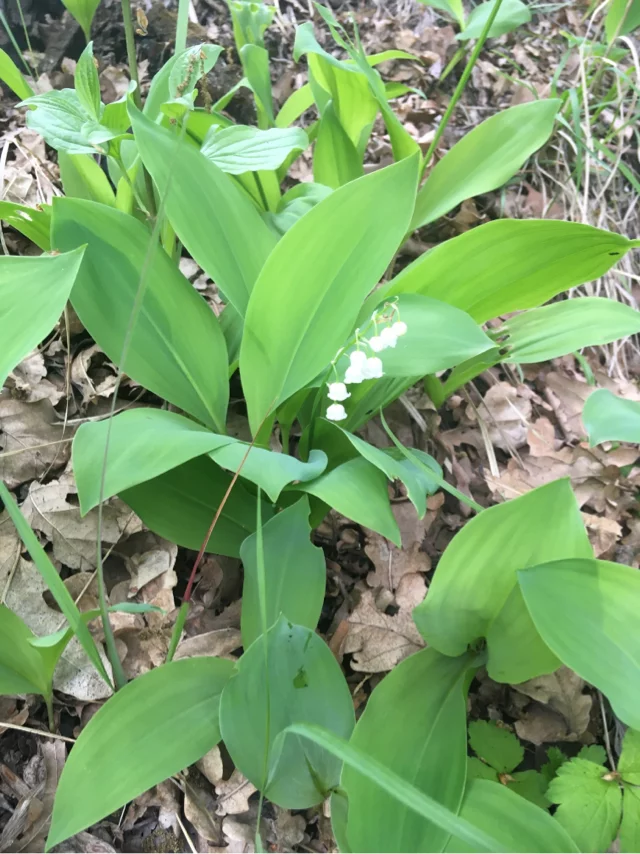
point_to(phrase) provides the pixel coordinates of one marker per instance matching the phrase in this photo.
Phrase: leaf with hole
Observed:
(152, 728)
(287, 676)
(176, 348)
(583, 609)
(474, 593)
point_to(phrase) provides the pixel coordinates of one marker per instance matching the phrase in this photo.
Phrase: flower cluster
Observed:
(361, 366)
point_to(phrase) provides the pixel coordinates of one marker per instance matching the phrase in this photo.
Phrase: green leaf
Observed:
(12, 77)
(629, 764)
(220, 227)
(555, 758)
(255, 63)
(509, 264)
(474, 592)
(630, 826)
(34, 293)
(60, 117)
(607, 418)
(622, 18)
(518, 824)
(250, 21)
(511, 15)
(240, 148)
(82, 178)
(453, 7)
(34, 223)
(181, 503)
(589, 806)
(530, 785)
(496, 746)
(152, 728)
(189, 67)
(477, 770)
(302, 682)
(295, 574)
(176, 348)
(339, 249)
(295, 204)
(83, 11)
(146, 443)
(22, 669)
(414, 725)
(53, 581)
(584, 610)
(358, 490)
(87, 83)
(411, 797)
(335, 158)
(564, 327)
(485, 158)
(438, 337)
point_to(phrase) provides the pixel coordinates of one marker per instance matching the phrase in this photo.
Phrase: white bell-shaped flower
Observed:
(377, 343)
(399, 328)
(336, 412)
(388, 337)
(338, 391)
(373, 368)
(357, 359)
(353, 375)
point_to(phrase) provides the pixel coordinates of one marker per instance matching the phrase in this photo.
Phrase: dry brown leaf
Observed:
(75, 674)
(149, 557)
(73, 536)
(10, 548)
(378, 641)
(603, 533)
(541, 437)
(561, 709)
(287, 831)
(93, 374)
(211, 766)
(506, 410)
(392, 563)
(233, 794)
(22, 426)
(200, 809)
(220, 642)
(29, 381)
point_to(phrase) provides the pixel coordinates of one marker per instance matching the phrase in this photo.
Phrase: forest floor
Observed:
(498, 438)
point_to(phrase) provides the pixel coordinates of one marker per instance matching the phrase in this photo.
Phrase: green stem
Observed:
(49, 703)
(461, 84)
(130, 42)
(177, 630)
(182, 26)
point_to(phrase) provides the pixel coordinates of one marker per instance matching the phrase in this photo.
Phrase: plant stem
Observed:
(49, 703)
(130, 41)
(182, 26)
(461, 84)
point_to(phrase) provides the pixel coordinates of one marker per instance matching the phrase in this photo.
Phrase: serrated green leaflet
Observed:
(496, 746)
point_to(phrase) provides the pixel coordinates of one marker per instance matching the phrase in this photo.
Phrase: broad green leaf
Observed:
(438, 337)
(295, 574)
(629, 764)
(509, 264)
(255, 63)
(34, 223)
(240, 148)
(295, 204)
(584, 610)
(61, 119)
(146, 443)
(398, 788)
(622, 17)
(34, 293)
(495, 745)
(563, 327)
(152, 728)
(82, 178)
(339, 807)
(11, 75)
(518, 824)
(593, 752)
(53, 581)
(215, 220)
(474, 592)
(630, 825)
(176, 349)
(511, 15)
(302, 682)
(413, 724)
(181, 503)
(83, 11)
(417, 484)
(453, 7)
(87, 84)
(358, 490)
(22, 670)
(485, 158)
(609, 418)
(589, 805)
(335, 158)
(190, 66)
(339, 250)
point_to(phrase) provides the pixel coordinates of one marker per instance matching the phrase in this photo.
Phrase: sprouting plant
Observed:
(322, 339)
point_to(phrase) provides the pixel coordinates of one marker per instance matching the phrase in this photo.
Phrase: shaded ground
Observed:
(498, 438)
